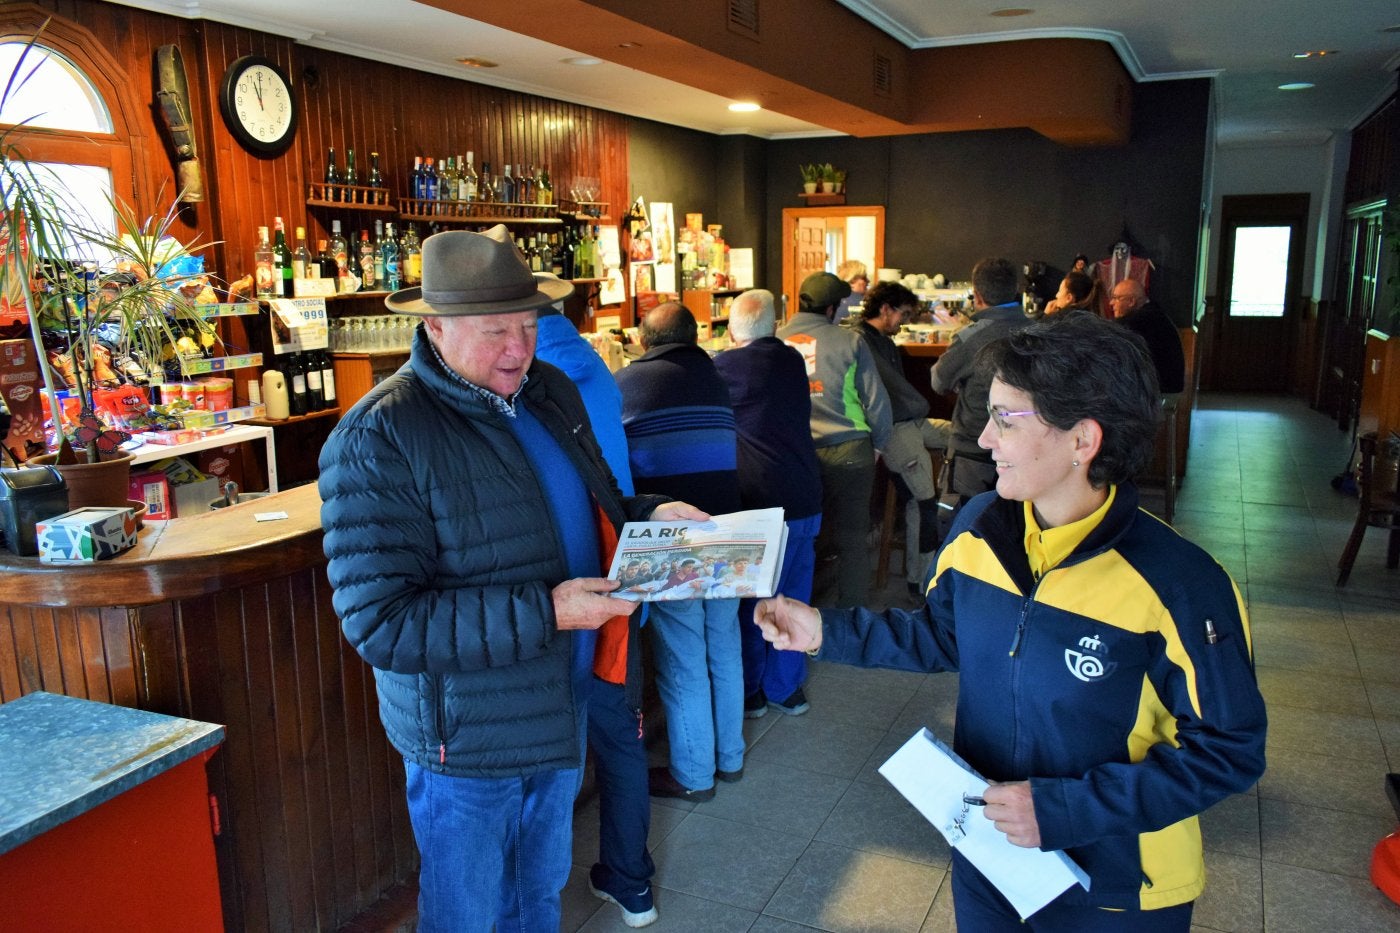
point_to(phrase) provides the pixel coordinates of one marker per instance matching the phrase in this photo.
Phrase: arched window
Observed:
(45, 89)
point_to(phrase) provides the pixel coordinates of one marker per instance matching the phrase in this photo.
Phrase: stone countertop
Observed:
(64, 756)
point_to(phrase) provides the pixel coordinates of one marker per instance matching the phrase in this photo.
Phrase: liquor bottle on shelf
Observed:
(326, 265)
(546, 254)
(430, 180)
(506, 194)
(341, 251)
(296, 383)
(301, 258)
(332, 192)
(565, 255)
(379, 271)
(525, 186)
(311, 368)
(532, 255)
(263, 266)
(544, 188)
(552, 256)
(412, 257)
(352, 178)
(390, 251)
(415, 179)
(469, 179)
(281, 259)
(367, 277)
(486, 185)
(447, 181)
(323, 359)
(376, 178)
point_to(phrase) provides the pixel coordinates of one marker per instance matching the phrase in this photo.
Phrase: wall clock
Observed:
(256, 100)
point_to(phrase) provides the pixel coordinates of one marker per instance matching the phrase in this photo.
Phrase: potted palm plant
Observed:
(811, 175)
(93, 294)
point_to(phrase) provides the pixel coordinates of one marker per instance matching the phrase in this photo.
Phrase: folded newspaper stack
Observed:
(739, 554)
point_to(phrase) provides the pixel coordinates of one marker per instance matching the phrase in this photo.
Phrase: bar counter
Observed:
(224, 619)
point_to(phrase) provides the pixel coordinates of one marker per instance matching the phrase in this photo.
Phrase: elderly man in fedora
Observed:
(466, 508)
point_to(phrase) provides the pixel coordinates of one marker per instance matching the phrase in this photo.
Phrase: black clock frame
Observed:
(230, 112)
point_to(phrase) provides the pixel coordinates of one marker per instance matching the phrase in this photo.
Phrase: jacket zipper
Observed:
(440, 719)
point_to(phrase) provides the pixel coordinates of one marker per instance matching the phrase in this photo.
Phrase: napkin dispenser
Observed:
(28, 495)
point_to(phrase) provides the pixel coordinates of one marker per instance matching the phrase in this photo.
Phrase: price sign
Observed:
(298, 324)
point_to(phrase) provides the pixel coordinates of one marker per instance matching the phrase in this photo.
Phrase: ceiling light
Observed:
(582, 60)
(1012, 11)
(1315, 53)
(1296, 86)
(474, 62)
(629, 45)
(744, 106)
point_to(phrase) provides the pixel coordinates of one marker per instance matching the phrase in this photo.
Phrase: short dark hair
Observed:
(1080, 287)
(671, 322)
(887, 293)
(995, 280)
(1078, 365)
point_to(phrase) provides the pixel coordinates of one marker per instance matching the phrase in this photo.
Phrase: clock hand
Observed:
(257, 89)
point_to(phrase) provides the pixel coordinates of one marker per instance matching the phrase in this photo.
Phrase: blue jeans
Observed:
(779, 673)
(980, 908)
(493, 850)
(700, 676)
(624, 807)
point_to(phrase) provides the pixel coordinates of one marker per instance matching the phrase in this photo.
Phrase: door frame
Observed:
(1250, 210)
(790, 216)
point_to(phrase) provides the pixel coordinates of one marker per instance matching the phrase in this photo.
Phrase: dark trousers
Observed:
(980, 908)
(624, 802)
(848, 478)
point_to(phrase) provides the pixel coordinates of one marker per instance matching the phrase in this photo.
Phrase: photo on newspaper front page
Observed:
(739, 554)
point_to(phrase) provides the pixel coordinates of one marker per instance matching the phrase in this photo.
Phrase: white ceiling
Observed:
(1247, 45)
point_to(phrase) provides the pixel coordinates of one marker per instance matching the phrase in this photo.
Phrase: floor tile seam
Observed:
(1319, 804)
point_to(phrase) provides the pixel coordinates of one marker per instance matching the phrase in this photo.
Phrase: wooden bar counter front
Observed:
(224, 619)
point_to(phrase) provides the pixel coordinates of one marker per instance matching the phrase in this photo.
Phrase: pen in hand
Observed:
(973, 800)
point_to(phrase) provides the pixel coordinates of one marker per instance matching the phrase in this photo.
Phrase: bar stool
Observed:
(887, 540)
(1378, 507)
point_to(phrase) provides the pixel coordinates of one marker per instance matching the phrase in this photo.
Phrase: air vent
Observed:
(884, 75)
(743, 18)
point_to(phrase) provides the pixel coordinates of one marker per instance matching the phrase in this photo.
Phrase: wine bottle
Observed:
(544, 188)
(332, 192)
(264, 274)
(486, 186)
(389, 247)
(327, 379)
(341, 251)
(282, 259)
(301, 259)
(311, 368)
(469, 180)
(507, 192)
(296, 392)
(352, 178)
(368, 280)
(376, 178)
(447, 181)
(326, 265)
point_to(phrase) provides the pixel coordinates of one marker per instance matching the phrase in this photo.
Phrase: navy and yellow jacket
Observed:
(1120, 685)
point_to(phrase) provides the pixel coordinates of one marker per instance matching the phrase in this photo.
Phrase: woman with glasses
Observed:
(1107, 686)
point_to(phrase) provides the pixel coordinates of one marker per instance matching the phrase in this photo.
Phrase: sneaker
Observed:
(637, 909)
(794, 705)
(661, 783)
(730, 777)
(755, 705)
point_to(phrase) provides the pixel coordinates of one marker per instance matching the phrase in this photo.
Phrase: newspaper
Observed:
(739, 554)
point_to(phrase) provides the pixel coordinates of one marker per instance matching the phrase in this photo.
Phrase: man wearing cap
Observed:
(465, 506)
(996, 312)
(850, 421)
(682, 443)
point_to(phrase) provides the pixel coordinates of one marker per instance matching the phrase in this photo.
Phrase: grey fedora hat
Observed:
(475, 273)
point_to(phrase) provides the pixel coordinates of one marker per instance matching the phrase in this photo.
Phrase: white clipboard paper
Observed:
(934, 780)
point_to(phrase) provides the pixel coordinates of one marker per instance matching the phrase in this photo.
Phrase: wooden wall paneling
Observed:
(11, 658)
(155, 638)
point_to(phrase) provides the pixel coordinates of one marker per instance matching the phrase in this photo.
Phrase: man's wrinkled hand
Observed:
(584, 604)
(1011, 810)
(678, 512)
(791, 625)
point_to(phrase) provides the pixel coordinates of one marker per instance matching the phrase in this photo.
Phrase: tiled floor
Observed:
(814, 838)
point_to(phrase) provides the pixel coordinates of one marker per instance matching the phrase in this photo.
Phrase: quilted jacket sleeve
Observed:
(382, 546)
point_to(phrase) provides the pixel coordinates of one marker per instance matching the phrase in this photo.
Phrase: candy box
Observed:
(86, 535)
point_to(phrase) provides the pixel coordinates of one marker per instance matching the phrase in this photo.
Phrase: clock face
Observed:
(257, 104)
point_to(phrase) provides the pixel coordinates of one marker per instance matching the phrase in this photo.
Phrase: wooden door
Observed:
(804, 242)
(1260, 277)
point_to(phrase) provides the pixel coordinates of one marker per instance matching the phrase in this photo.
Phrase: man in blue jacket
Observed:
(465, 498)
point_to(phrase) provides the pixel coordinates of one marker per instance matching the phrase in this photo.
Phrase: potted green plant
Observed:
(828, 178)
(839, 179)
(87, 288)
(811, 175)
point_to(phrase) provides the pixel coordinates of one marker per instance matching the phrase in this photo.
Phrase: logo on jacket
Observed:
(1092, 663)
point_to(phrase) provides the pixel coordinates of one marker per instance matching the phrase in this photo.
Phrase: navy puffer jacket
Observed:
(442, 555)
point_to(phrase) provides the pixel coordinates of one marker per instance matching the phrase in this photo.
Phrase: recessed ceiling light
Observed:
(744, 107)
(1012, 11)
(629, 45)
(1296, 86)
(1315, 53)
(474, 62)
(582, 60)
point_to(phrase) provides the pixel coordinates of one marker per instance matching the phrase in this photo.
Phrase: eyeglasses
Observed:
(999, 416)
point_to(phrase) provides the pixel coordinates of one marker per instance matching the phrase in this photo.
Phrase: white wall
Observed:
(1316, 169)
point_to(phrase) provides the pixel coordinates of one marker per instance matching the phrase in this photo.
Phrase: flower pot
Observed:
(828, 187)
(99, 484)
(809, 187)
